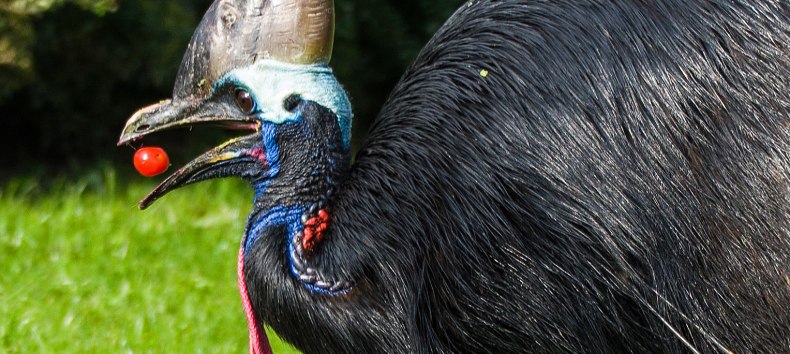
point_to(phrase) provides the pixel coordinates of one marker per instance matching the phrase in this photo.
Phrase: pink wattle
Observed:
(259, 344)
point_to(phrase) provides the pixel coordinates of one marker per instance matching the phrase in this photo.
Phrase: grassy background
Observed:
(83, 271)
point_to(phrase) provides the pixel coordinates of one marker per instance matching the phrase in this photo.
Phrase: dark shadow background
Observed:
(88, 71)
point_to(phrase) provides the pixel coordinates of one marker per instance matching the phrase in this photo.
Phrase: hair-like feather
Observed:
(577, 176)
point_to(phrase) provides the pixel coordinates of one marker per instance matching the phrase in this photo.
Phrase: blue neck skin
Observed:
(290, 217)
(277, 215)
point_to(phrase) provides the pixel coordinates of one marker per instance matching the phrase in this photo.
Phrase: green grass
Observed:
(83, 271)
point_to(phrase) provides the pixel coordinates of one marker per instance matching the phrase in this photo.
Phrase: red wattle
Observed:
(259, 343)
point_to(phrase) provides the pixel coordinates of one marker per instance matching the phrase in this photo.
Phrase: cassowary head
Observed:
(260, 66)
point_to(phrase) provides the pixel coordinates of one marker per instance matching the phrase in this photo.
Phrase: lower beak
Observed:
(242, 157)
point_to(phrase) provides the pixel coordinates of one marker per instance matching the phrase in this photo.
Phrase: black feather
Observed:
(565, 176)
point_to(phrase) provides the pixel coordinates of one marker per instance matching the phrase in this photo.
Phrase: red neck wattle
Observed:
(259, 344)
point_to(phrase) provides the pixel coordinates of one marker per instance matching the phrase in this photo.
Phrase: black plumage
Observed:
(621, 174)
(561, 176)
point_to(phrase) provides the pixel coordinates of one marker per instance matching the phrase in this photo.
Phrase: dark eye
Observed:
(291, 102)
(244, 101)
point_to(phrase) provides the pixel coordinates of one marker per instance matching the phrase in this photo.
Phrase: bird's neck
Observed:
(287, 237)
(296, 199)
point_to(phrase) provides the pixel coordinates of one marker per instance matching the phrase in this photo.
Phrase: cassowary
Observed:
(548, 176)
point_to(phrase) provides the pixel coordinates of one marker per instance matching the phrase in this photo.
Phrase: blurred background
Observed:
(82, 270)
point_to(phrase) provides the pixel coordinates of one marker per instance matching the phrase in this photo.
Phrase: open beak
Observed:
(241, 156)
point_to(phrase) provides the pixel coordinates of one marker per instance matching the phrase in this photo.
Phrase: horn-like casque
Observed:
(238, 33)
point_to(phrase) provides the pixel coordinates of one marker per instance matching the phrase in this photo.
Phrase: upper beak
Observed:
(172, 114)
(238, 157)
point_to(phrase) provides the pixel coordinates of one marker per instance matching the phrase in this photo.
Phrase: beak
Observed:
(242, 157)
(173, 114)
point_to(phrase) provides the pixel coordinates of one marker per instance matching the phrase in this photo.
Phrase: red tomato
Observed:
(151, 161)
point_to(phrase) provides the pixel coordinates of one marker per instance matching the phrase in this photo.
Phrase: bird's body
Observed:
(548, 176)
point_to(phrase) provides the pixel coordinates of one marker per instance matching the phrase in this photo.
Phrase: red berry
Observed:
(151, 161)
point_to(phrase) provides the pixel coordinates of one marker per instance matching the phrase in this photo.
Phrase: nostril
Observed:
(143, 127)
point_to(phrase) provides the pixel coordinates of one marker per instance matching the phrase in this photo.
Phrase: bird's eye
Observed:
(244, 101)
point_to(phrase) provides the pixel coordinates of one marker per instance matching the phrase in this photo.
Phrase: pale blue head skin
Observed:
(270, 82)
